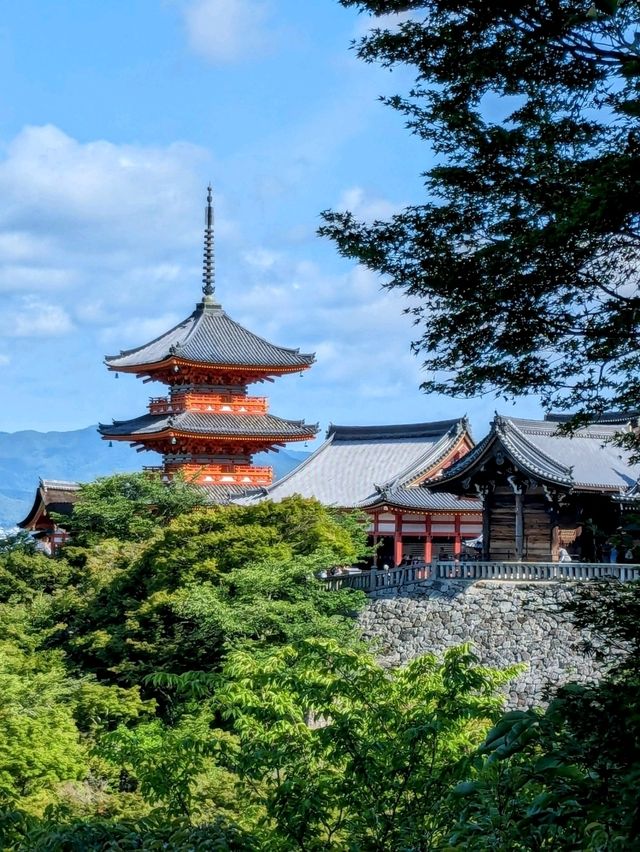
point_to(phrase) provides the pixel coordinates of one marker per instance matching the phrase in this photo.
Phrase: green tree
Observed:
(342, 754)
(128, 506)
(206, 580)
(522, 263)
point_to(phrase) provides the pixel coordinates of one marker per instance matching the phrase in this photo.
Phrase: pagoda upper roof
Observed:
(214, 425)
(210, 336)
(584, 460)
(346, 469)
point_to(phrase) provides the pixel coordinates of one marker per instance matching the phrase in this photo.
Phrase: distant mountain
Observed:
(79, 456)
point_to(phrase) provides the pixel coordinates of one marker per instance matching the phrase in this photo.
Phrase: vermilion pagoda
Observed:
(208, 427)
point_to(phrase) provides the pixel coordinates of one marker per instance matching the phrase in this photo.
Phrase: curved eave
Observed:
(425, 510)
(462, 469)
(500, 433)
(205, 436)
(174, 361)
(35, 513)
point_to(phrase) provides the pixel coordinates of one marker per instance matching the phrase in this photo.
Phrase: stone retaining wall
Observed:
(506, 622)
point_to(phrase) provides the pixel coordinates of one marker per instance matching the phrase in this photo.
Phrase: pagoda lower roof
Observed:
(209, 424)
(209, 336)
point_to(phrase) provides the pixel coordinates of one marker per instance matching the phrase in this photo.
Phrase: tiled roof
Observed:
(205, 423)
(422, 499)
(53, 495)
(210, 336)
(586, 459)
(346, 469)
(436, 429)
(223, 494)
(612, 418)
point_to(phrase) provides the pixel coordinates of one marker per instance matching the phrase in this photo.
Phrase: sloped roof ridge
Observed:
(303, 464)
(264, 339)
(431, 457)
(397, 430)
(467, 459)
(59, 484)
(508, 430)
(164, 334)
(606, 418)
(595, 430)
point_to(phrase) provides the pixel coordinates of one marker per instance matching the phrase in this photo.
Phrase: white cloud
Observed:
(4, 360)
(104, 230)
(53, 185)
(224, 31)
(366, 208)
(138, 331)
(36, 319)
(46, 277)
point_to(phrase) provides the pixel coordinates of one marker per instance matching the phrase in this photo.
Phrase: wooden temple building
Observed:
(543, 490)
(207, 427)
(52, 496)
(383, 470)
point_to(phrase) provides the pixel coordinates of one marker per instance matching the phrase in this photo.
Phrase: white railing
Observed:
(527, 571)
(378, 580)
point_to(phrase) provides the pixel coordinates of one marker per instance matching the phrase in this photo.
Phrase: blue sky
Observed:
(113, 118)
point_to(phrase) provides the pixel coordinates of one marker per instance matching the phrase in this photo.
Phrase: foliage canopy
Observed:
(522, 266)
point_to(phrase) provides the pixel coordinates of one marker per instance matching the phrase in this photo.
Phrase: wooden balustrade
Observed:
(212, 403)
(523, 572)
(223, 474)
(535, 571)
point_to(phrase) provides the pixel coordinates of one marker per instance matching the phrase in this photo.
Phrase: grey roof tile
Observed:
(346, 469)
(205, 423)
(422, 499)
(210, 336)
(586, 459)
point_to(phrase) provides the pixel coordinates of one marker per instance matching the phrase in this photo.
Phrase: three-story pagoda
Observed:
(207, 427)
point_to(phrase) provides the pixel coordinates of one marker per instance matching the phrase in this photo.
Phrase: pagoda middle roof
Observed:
(355, 461)
(205, 423)
(210, 336)
(586, 459)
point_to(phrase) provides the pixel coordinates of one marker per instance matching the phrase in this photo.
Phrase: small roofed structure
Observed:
(53, 495)
(382, 470)
(544, 489)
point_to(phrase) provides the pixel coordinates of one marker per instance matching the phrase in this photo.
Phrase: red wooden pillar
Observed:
(374, 540)
(397, 541)
(457, 547)
(428, 547)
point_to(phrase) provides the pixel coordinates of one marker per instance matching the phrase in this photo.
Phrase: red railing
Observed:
(209, 402)
(221, 474)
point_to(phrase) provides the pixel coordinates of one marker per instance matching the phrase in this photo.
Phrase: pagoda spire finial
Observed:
(208, 269)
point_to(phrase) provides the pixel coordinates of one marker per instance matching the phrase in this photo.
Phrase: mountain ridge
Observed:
(78, 455)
